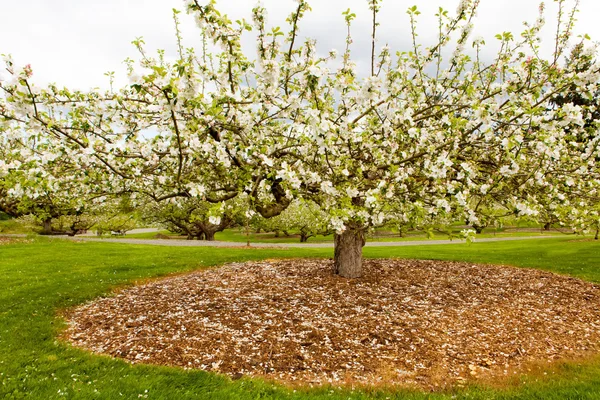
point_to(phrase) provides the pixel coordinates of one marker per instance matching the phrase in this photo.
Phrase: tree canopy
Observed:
(432, 130)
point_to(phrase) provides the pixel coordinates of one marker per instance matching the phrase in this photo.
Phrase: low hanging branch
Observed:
(430, 134)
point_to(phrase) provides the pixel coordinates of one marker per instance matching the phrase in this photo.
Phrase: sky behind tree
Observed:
(74, 42)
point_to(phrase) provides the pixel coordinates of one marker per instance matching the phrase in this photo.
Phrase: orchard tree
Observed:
(8, 204)
(585, 199)
(580, 60)
(37, 180)
(428, 130)
(73, 224)
(195, 218)
(276, 225)
(304, 217)
(114, 223)
(580, 210)
(116, 215)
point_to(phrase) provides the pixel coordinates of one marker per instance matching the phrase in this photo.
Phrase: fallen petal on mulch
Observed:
(413, 323)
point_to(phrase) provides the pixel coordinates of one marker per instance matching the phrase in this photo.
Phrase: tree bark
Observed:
(547, 226)
(348, 253)
(479, 229)
(400, 232)
(597, 233)
(209, 236)
(47, 227)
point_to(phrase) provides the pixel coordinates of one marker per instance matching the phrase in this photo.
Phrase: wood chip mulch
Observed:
(429, 324)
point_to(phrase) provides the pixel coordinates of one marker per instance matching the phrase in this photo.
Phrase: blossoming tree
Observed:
(38, 180)
(429, 130)
(8, 205)
(192, 217)
(303, 217)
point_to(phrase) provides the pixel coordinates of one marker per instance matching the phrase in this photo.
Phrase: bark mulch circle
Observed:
(428, 324)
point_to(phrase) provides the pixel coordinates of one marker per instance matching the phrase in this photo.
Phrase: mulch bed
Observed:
(428, 324)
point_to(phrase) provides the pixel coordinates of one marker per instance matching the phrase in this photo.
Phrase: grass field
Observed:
(8, 225)
(42, 277)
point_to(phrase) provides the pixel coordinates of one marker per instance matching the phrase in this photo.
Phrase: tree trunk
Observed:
(547, 226)
(73, 230)
(348, 253)
(597, 232)
(400, 232)
(47, 228)
(276, 234)
(209, 235)
(303, 238)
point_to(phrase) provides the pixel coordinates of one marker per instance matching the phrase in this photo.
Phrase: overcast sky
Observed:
(74, 42)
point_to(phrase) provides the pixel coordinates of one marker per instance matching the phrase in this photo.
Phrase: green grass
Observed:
(41, 278)
(9, 225)
(145, 235)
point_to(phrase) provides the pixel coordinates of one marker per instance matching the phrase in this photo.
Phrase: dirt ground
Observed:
(429, 324)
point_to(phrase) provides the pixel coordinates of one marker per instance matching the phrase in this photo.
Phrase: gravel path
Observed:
(201, 243)
(133, 231)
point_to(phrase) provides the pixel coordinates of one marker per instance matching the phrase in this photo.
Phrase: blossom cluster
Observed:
(422, 138)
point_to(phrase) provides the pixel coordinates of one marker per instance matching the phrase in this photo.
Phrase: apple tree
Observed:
(428, 130)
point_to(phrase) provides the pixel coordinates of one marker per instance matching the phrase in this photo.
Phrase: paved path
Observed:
(201, 243)
(139, 230)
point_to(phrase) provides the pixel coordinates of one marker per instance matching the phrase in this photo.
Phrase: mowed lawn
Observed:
(39, 279)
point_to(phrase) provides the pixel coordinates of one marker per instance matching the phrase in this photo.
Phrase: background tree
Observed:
(194, 218)
(587, 199)
(35, 181)
(116, 216)
(303, 217)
